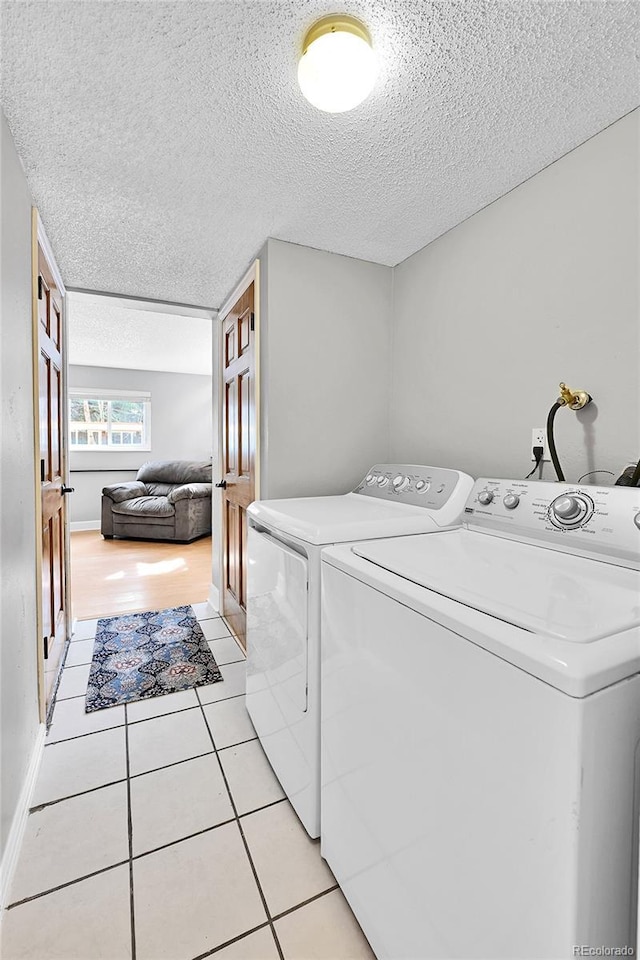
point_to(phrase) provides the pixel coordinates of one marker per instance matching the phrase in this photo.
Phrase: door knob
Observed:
(223, 484)
(64, 489)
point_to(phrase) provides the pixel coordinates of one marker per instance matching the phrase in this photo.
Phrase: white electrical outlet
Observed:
(539, 439)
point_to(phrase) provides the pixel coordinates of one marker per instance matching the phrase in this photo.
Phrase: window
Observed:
(109, 420)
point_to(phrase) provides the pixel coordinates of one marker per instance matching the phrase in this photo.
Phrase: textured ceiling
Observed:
(102, 333)
(164, 141)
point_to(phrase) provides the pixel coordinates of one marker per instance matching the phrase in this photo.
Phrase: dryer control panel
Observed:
(592, 521)
(414, 484)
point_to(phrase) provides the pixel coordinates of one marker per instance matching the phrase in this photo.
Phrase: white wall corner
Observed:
(19, 822)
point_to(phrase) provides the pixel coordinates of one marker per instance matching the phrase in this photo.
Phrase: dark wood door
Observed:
(239, 446)
(52, 470)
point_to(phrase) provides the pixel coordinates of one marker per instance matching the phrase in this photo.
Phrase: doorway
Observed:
(140, 389)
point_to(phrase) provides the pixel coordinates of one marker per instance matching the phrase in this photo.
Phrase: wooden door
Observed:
(239, 452)
(51, 432)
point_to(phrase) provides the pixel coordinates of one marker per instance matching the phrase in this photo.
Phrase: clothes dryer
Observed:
(481, 728)
(285, 541)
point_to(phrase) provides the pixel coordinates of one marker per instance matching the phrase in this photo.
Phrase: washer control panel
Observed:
(413, 484)
(587, 520)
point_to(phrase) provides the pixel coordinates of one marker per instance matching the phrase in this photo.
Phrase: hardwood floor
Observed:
(116, 576)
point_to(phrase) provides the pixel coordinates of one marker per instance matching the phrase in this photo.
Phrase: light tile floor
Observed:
(159, 832)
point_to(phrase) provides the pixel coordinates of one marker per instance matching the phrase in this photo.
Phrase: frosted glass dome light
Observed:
(338, 67)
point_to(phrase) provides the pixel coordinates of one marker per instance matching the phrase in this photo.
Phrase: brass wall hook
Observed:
(574, 399)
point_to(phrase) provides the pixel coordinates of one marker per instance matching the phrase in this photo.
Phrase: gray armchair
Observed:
(168, 500)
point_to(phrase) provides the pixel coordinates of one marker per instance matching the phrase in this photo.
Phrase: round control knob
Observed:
(570, 510)
(371, 478)
(397, 481)
(636, 520)
(567, 508)
(401, 483)
(511, 501)
(485, 497)
(422, 486)
(383, 481)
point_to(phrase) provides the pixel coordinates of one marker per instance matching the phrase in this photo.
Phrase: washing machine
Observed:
(285, 539)
(480, 728)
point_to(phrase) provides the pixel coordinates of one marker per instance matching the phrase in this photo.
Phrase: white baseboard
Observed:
(214, 597)
(84, 525)
(19, 822)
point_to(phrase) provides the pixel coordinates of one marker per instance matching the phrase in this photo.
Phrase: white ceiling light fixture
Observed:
(338, 66)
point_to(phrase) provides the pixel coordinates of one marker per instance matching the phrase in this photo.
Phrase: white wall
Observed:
(18, 639)
(180, 430)
(539, 287)
(325, 328)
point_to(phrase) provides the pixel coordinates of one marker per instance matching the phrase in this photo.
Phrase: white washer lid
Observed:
(324, 520)
(546, 592)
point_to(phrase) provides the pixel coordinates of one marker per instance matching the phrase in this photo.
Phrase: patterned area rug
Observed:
(143, 655)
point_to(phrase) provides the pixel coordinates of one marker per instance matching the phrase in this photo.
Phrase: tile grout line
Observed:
(244, 839)
(146, 853)
(228, 943)
(279, 916)
(305, 903)
(89, 733)
(214, 826)
(67, 883)
(116, 726)
(189, 836)
(113, 783)
(70, 796)
(130, 838)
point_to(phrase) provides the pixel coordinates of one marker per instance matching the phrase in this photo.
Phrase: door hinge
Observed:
(46, 647)
(253, 321)
(39, 288)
